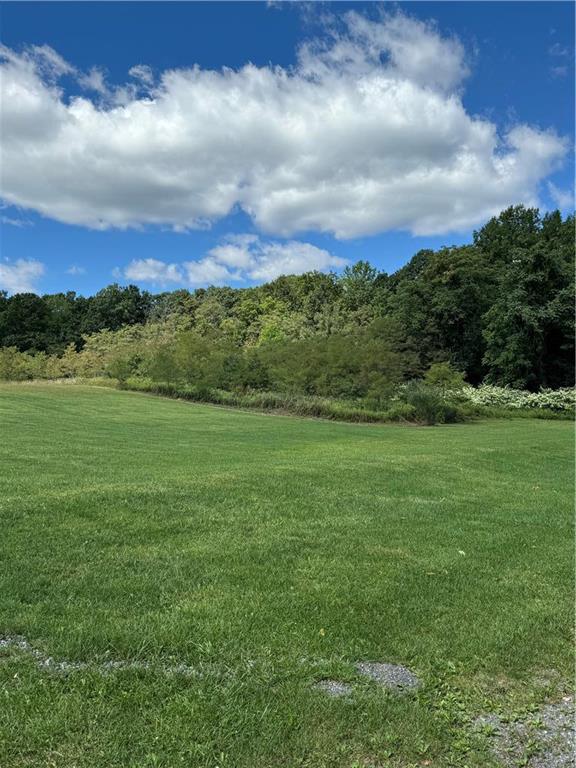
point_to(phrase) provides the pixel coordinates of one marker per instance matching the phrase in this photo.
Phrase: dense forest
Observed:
(499, 310)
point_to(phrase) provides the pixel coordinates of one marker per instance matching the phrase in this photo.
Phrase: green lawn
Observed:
(269, 552)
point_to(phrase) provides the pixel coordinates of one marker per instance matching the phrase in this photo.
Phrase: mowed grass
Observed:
(269, 552)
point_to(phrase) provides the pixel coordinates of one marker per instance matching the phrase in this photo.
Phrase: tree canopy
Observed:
(498, 310)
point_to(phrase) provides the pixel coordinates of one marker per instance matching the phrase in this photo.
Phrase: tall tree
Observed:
(24, 322)
(115, 306)
(358, 283)
(529, 329)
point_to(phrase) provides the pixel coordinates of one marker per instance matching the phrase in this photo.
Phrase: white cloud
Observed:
(232, 255)
(94, 80)
(412, 50)
(153, 271)
(20, 276)
(266, 260)
(142, 72)
(12, 222)
(366, 133)
(563, 198)
(260, 260)
(209, 271)
(74, 269)
(206, 271)
(237, 259)
(40, 59)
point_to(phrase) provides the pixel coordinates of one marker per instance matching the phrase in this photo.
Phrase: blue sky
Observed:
(351, 137)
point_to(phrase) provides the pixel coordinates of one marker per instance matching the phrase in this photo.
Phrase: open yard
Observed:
(175, 578)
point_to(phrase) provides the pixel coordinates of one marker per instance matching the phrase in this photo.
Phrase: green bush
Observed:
(431, 404)
(401, 412)
(444, 376)
(120, 368)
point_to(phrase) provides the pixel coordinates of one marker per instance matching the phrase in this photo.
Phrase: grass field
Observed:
(266, 553)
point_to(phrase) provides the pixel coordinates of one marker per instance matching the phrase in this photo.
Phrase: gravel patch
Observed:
(19, 643)
(545, 740)
(394, 677)
(333, 688)
(44, 662)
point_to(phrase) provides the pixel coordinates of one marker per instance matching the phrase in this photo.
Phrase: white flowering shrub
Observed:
(505, 397)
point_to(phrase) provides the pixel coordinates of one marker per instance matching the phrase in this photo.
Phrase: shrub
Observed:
(401, 412)
(431, 404)
(119, 368)
(444, 376)
(559, 400)
(426, 401)
(19, 366)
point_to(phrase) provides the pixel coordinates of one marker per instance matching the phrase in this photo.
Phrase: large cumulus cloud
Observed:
(367, 132)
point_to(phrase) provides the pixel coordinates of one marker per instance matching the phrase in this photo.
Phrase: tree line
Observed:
(499, 310)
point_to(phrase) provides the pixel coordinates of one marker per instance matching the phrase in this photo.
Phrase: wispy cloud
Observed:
(561, 71)
(94, 80)
(556, 49)
(563, 198)
(563, 56)
(143, 73)
(75, 270)
(12, 221)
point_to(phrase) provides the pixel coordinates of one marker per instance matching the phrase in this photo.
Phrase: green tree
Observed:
(24, 322)
(116, 306)
(358, 282)
(514, 229)
(529, 329)
(440, 301)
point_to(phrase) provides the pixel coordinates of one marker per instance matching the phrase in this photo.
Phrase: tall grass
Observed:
(417, 404)
(299, 405)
